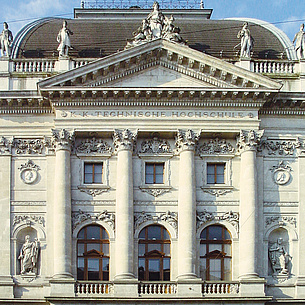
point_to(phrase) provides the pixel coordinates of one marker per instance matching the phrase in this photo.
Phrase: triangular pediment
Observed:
(160, 63)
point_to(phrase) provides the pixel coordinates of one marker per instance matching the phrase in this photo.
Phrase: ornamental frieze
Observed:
(29, 219)
(279, 147)
(280, 220)
(81, 216)
(155, 146)
(28, 146)
(215, 146)
(93, 145)
(231, 217)
(170, 217)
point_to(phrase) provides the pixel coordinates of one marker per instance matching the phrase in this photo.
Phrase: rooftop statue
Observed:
(246, 41)
(299, 40)
(155, 26)
(63, 38)
(6, 39)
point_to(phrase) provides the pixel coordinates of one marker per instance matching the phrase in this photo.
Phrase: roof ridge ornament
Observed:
(155, 26)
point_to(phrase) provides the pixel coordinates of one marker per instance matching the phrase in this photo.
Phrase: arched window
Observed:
(154, 254)
(215, 254)
(93, 254)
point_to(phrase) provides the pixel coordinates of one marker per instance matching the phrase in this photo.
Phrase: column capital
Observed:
(124, 139)
(186, 140)
(249, 140)
(62, 139)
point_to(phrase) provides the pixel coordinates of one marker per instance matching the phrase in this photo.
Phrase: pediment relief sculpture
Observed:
(93, 145)
(155, 146)
(155, 26)
(215, 146)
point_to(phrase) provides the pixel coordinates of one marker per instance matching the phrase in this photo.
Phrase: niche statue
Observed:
(29, 255)
(279, 258)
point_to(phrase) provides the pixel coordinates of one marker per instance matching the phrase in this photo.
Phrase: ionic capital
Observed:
(62, 139)
(186, 140)
(249, 140)
(124, 139)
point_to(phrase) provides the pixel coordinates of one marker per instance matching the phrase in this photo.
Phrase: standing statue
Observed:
(246, 41)
(279, 258)
(6, 39)
(29, 255)
(156, 20)
(299, 40)
(63, 38)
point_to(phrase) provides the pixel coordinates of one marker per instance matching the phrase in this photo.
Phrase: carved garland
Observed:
(231, 217)
(215, 146)
(93, 145)
(278, 147)
(280, 220)
(155, 146)
(29, 220)
(81, 216)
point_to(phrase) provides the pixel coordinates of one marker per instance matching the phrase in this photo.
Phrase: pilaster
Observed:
(6, 281)
(186, 142)
(123, 141)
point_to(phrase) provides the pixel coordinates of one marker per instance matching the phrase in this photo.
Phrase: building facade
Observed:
(165, 169)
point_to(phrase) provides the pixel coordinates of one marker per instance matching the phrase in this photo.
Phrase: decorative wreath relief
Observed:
(29, 172)
(281, 173)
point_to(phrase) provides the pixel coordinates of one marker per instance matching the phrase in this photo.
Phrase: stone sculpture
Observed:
(155, 26)
(6, 39)
(299, 40)
(246, 41)
(63, 38)
(279, 258)
(28, 256)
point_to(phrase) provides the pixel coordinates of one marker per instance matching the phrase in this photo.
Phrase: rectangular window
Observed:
(215, 173)
(93, 173)
(154, 173)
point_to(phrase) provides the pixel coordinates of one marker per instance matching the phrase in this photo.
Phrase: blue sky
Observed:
(286, 14)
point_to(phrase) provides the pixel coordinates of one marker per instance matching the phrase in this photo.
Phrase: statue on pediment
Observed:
(63, 38)
(29, 256)
(299, 40)
(155, 26)
(246, 41)
(6, 39)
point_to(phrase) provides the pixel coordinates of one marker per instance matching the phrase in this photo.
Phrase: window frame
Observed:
(215, 174)
(100, 255)
(93, 173)
(154, 254)
(220, 256)
(154, 164)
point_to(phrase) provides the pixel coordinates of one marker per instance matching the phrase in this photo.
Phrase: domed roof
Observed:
(99, 37)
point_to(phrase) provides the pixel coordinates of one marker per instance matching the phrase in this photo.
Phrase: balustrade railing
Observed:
(276, 67)
(218, 288)
(93, 289)
(157, 288)
(33, 66)
(76, 63)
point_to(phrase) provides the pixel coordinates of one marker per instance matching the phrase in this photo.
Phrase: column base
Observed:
(6, 287)
(187, 277)
(191, 288)
(252, 287)
(62, 287)
(300, 287)
(124, 277)
(63, 275)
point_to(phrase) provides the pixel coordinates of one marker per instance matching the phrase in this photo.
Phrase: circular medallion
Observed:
(281, 176)
(29, 175)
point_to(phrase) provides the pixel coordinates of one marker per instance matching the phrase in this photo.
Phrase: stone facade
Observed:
(230, 142)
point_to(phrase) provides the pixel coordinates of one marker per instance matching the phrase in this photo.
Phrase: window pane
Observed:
(215, 269)
(227, 235)
(203, 234)
(166, 269)
(88, 178)
(93, 232)
(227, 249)
(154, 232)
(97, 178)
(167, 249)
(211, 169)
(203, 250)
(220, 168)
(149, 179)
(80, 249)
(88, 168)
(106, 249)
(210, 179)
(141, 249)
(159, 169)
(81, 234)
(98, 168)
(104, 234)
(142, 234)
(152, 247)
(93, 268)
(215, 233)
(203, 268)
(149, 169)
(105, 264)
(141, 269)
(159, 179)
(227, 269)
(165, 235)
(93, 247)
(154, 269)
(214, 247)
(220, 179)
(80, 268)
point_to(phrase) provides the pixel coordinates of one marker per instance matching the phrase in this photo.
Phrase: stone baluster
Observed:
(62, 140)
(186, 142)
(247, 145)
(124, 257)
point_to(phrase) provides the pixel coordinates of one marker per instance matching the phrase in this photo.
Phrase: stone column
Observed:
(6, 281)
(247, 145)
(124, 244)
(62, 140)
(186, 142)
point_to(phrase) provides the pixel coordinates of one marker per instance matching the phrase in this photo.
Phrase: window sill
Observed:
(217, 189)
(155, 189)
(94, 189)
